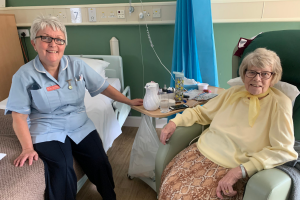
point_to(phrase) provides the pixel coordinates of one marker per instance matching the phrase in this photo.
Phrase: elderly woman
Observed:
(49, 117)
(251, 129)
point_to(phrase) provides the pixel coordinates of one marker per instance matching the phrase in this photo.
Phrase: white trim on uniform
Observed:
(99, 87)
(44, 71)
(66, 64)
(36, 68)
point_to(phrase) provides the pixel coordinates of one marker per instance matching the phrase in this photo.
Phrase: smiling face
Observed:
(257, 85)
(50, 54)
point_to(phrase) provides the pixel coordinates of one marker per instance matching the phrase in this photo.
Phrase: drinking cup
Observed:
(202, 86)
(164, 103)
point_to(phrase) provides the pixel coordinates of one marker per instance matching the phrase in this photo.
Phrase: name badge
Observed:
(54, 87)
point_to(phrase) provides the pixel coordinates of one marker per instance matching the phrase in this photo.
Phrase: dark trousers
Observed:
(61, 181)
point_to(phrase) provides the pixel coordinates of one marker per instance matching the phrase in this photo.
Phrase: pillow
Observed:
(288, 89)
(97, 65)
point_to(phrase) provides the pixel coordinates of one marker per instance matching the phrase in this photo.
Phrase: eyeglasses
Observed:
(263, 75)
(49, 40)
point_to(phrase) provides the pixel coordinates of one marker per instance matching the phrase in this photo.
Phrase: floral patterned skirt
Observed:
(191, 176)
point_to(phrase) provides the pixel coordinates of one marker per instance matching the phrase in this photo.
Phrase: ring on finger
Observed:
(226, 191)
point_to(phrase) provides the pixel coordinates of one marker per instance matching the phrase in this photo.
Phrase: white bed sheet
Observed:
(99, 109)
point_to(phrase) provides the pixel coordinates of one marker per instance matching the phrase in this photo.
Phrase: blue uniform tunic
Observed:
(55, 111)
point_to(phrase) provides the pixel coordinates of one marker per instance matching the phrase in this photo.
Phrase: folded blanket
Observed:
(292, 169)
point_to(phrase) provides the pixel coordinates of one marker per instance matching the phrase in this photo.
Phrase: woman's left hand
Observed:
(136, 102)
(226, 183)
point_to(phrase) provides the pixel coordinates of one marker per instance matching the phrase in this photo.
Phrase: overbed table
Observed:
(157, 114)
(191, 103)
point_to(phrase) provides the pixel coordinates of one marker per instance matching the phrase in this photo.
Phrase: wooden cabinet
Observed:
(11, 58)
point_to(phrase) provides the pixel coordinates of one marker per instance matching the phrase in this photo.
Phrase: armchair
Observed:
(271, 184)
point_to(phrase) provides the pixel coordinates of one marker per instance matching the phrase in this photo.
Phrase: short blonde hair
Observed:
(42, 22)
(262, 58)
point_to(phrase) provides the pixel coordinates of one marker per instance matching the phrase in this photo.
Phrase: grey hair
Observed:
(262, 58)
(42, 22)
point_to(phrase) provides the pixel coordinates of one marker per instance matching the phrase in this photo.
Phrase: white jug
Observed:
(151, 100)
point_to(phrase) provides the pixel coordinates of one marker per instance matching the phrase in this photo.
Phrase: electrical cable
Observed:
(142, 57)
(151, 44)
(23, 50)
(21, 43)
(26, 50)
(141, 51)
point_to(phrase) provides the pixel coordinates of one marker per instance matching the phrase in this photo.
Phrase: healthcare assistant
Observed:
(54, 102)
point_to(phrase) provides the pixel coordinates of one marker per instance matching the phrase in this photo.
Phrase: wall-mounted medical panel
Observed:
(107, 14)
(223, 11)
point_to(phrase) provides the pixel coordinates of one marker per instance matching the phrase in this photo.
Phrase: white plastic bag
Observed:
(144, 149)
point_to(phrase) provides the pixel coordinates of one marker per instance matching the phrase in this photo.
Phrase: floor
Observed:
(119, 157)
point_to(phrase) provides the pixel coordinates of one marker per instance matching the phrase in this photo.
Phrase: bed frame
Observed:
(115, 70)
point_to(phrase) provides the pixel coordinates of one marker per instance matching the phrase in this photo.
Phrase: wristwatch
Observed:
(243, 170)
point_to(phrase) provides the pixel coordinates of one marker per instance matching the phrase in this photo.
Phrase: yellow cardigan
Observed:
(230, 141)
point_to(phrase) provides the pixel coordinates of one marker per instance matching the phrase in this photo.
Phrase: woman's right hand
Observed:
(29, 154)
(167, 132)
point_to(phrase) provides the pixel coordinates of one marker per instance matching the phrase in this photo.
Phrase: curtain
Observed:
(194, 47)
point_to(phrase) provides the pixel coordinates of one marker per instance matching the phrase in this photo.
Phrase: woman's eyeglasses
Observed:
(263, 75)
(49, 40)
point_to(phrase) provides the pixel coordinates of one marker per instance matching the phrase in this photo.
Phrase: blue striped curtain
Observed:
(194, 46)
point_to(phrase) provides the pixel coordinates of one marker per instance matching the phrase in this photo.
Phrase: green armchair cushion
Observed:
(268, 184)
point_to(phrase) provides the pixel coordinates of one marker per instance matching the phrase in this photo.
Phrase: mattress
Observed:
(115, 82)
(99, 109)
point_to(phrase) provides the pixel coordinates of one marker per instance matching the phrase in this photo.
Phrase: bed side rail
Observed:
(122, 110)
